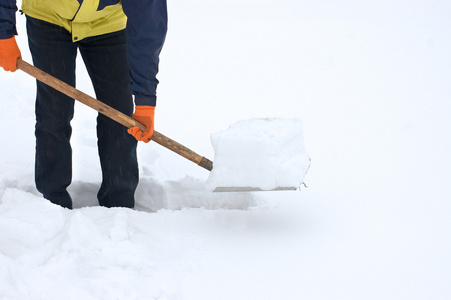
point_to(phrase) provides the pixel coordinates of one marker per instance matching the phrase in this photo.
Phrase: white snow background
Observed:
(371, 81)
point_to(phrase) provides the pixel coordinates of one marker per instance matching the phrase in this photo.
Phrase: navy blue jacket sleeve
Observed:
(146, 31)
(8, 10)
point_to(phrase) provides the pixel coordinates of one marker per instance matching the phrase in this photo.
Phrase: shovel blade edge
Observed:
(229, 189)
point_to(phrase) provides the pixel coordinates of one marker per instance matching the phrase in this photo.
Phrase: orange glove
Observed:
(145, 115)
(9, 53)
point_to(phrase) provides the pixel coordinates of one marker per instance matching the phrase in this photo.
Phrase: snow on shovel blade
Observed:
(259, 155)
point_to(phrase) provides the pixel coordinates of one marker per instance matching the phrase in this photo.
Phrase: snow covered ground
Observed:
(369, 78)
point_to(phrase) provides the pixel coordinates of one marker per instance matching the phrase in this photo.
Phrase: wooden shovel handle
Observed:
(112, 113)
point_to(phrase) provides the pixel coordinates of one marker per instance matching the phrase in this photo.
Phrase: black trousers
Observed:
(104, 56)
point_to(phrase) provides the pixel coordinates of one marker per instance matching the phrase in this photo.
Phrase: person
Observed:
(120, 44)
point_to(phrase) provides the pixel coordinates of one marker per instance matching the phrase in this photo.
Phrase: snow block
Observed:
(265, 154)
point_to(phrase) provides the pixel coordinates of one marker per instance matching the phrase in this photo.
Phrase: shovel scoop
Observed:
(259, 155)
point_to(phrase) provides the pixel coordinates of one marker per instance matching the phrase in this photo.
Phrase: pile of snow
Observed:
(260, 153)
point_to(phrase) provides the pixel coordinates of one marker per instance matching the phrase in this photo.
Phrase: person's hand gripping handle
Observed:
(145, 115)
(9, 53)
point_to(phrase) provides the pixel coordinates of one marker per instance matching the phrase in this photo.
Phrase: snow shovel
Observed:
(112, 113)
(130, 122)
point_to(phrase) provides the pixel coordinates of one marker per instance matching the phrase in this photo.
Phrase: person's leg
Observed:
(53, 52)
(106, 62)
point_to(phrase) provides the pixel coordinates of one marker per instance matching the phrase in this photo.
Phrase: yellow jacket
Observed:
(90, 18)
(145, 22)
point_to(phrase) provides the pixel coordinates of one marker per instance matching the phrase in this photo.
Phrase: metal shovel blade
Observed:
(229, 189)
